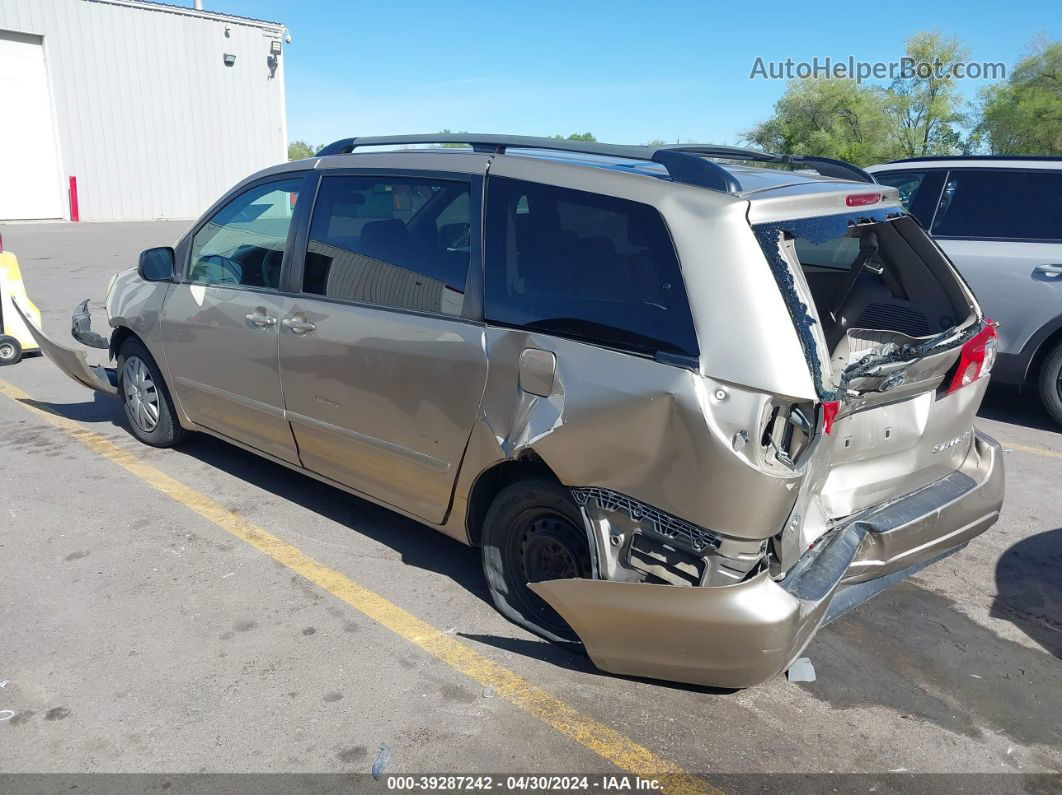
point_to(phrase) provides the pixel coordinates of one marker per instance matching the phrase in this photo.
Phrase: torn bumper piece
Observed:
(73, 362)
(740, 635)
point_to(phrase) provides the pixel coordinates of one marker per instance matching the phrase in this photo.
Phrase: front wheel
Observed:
(10, 350)
(533, 532)
(147, 402)
(1051, 384)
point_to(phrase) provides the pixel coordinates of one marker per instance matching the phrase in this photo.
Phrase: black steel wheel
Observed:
(533, 532)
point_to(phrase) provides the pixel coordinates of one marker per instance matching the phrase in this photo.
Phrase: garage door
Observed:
(30, 179)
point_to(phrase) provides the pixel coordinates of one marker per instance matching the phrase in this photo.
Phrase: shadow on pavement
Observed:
(1029, 590)
(1004, 404)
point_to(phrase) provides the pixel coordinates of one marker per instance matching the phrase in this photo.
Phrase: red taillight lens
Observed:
(977, 357)
(829, 414)
(862, 199)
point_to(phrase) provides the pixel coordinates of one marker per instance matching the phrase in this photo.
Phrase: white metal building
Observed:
(154, 109)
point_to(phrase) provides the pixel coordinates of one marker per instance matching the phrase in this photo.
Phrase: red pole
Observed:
(74, 216)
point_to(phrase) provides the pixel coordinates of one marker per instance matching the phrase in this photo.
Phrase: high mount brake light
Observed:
(976, 358)
(862, 199)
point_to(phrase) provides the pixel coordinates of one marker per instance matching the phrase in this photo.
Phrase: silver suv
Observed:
(999, 219)
(690, 413)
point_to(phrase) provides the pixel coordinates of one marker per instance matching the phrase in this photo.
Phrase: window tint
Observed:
(1023, 205)
(243, 243)
(393, 242)
(919, 191)
(585, 266)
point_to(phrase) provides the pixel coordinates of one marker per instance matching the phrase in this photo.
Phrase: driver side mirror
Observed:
(156, 264)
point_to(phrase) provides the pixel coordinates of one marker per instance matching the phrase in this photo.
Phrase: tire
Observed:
(10, 350)
(533, 532)
(1051, 383)
(148, 406)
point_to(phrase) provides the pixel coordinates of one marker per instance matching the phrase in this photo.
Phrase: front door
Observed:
(382, 373)
(220, 323)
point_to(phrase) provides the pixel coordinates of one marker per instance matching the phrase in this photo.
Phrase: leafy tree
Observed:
(1023, 116)
(831, 118)
(578, 137)
(924, 107)
(655, 142)
(300, 150)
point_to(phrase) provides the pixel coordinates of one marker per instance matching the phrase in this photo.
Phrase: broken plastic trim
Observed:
(663, 525)
(81, 328)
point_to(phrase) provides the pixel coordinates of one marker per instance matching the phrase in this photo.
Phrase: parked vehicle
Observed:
(689, 412)
(999, 219)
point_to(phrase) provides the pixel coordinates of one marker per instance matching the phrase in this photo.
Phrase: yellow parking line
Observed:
(608, 743)
(1033, 450)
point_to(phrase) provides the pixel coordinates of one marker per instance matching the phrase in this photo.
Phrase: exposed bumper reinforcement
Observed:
(740, 635)
(73, 362)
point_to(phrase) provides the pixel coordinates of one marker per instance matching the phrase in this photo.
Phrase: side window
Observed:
(243, 243)
(1011, 205)
(919, 191)
(398, 242)
(584, 266)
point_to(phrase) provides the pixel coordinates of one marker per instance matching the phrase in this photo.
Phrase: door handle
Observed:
(261, 319)
(297, 325)
(1052, 270)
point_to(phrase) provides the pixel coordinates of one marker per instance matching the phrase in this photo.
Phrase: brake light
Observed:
(829, 414)
(862, 199)
(977, 357)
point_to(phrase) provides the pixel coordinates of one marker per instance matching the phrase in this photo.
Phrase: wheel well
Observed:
(118, 336)
(1043, 352)
(492, 481)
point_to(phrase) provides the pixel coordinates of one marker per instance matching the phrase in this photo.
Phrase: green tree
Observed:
(831, 118)
(448, 131)
(578, 137)
(925, 106)
(300, 150)
(1023, 116)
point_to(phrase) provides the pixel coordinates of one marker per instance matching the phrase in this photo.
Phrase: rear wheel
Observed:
(10, 350)
(1051, 383)
(147, 402)
(533, 532)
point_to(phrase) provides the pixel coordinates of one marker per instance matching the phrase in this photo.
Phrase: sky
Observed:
(628, 72)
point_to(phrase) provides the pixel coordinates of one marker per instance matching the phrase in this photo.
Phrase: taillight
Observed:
(977, 357)
(829, 414)
(862, 199)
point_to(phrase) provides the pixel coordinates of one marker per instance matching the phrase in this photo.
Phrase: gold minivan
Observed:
(690, 409)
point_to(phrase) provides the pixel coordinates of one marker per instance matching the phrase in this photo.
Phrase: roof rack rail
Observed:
(976, 157)
(686, 168)
(685, 163)
(826, 166)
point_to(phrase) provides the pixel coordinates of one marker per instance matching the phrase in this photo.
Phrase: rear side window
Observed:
(1010, 205)
(919, 191)
(580, 265)
(395, 242)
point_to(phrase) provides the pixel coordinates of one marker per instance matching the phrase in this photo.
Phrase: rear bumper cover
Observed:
(740, 635)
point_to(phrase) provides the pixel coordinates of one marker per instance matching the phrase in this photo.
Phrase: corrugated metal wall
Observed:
(149, 119)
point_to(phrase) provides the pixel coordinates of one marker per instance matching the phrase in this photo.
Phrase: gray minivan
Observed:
(689, 412)
(999, 219)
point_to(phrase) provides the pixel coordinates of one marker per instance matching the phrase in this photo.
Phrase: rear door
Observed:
(220, 322)
(1003, 230)
(382, 358)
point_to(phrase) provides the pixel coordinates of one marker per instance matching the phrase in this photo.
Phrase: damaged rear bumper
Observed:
(73, 362)
(740, 635)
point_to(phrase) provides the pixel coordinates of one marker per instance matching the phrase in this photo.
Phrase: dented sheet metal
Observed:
(740, 635)
(73, 362)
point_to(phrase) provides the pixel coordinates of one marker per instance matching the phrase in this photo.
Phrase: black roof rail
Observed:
(826, 166)
(682, 167)
(976, 157)
(685, 163)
